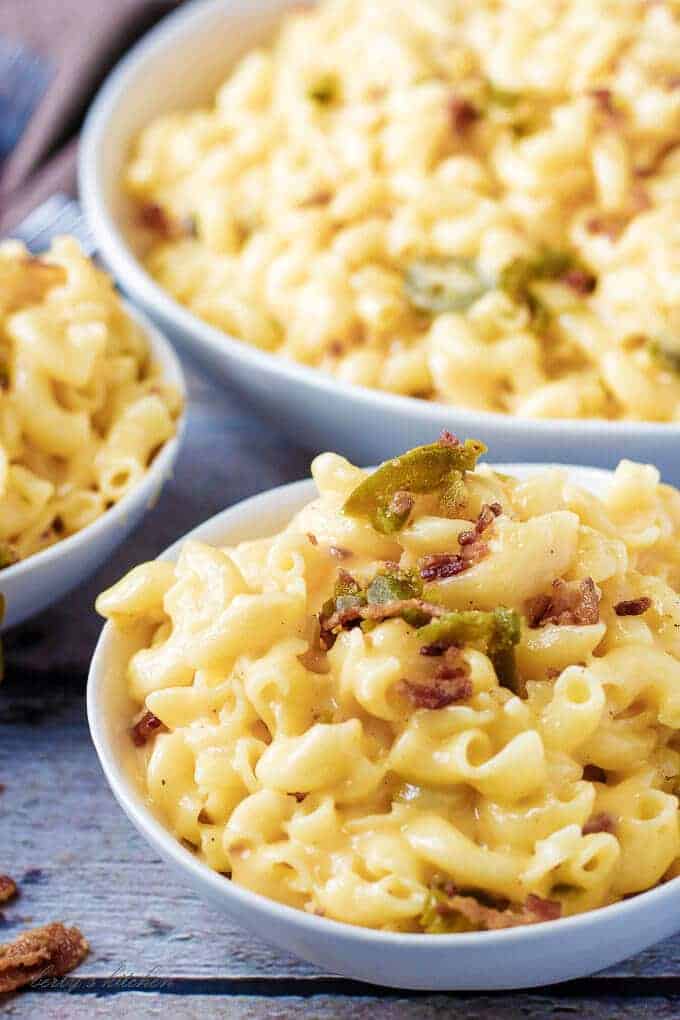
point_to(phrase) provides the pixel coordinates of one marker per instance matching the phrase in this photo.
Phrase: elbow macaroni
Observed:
(308, 775)
(374, 135)
(82, 410)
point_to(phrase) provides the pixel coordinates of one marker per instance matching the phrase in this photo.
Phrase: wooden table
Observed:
(156, 949)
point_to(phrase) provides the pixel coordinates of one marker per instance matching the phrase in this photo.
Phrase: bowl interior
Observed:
(110, 708)
(43, 568)
(207, 37)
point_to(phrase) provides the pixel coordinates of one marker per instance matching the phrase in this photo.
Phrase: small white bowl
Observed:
(515, 958)
(185, 58)
(39, 580)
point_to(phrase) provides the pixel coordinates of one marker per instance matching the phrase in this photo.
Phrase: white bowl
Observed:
(36, 582)
(514, 958)
(179, 65)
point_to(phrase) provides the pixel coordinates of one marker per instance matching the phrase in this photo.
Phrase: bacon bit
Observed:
(312, 539)
(552, 673)
(580, 281)
(610, 226)
(601, 822)
(543, 910)
(447, 438)
(485, 518)
(567, 605)
(336, 348)
(534, 910)
(401, 503)
(451, 683)
(438, 566)
(594, 774)
(633, 607)
(380, 611)
(298, 796)
(438, 694)
(339, 552)
(204, 818)
(47, 952)
(8, 888)
(604, 101)
(317, 199)
(153, 217)
(462, 114)
(145, 728)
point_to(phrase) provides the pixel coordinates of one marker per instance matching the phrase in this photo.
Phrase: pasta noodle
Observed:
(82, 409)
(441, 699)
(476, 203)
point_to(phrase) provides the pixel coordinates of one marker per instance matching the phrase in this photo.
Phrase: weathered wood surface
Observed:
(144, 1006)
(156, 948)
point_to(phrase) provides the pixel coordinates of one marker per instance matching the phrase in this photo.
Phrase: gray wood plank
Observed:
(143, 1006)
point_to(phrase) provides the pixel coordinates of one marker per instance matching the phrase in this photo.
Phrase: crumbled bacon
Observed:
(567, 604)
(604, 101)
(633, 607)
(485, 518)
(462, 114)
(298, 796)
(534, 910)
(379, 611)
(542, 909)
(46, 952)
(438, 566)
(312, 539)
(450, 683)
(594, 774)
(580, 281)
(611, 226)
(154, 217)
(447, 438)
(401, 503)
(8, 888)
(339, 552)
(601, 822)
(316, 199)
(145, 728)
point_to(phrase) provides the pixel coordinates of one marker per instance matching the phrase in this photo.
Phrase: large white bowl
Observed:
(36, 582)
(514, 958)
(178, 66)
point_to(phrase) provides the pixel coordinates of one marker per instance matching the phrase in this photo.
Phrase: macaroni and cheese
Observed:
(476, 203)
(441, 699)
(82, 409)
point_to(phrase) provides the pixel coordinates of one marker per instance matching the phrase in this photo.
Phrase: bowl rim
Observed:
(131, 272)
(165, 358)
(130, 796)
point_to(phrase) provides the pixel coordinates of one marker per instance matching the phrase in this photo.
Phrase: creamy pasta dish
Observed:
(471, 202)
(82, 408)
(441, 699)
